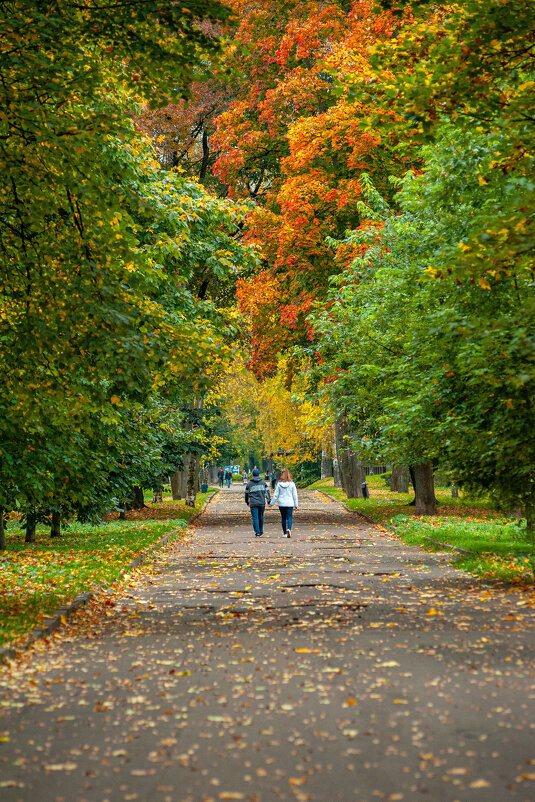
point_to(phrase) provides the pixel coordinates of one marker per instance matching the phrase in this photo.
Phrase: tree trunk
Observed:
(138, 501)
(182, 476)
(205, 157)
(3, 541)
(212, 474)
(326, 465)
(157, 495)
(31, 522)
(413, 482)
(454, 491)
(122, 512)
(400, 479)
(424, 489)
(174, 486)
(191, 481)
(336, 474)
(55, 529)
(351, 470)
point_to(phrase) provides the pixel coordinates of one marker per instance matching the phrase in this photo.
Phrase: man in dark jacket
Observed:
(256, 494)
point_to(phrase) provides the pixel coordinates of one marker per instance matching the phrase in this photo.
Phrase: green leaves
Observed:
(114, 273)
(428, 345)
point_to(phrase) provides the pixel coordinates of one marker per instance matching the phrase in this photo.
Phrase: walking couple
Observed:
(257, 493)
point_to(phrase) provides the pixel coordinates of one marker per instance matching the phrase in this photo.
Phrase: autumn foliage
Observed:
(297, 145)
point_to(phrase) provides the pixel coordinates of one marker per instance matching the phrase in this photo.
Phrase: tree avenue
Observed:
(115, 274)
(402, 271)
(231, 228)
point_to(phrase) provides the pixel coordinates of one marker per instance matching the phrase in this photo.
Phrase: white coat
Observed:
(285, 494)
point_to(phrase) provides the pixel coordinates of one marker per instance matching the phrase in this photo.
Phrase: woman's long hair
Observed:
(286, 476)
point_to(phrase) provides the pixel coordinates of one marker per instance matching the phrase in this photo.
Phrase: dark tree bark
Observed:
(55, 529)
(351, 469)
(400, 479)
(175, 486)
(413, 483)
(179, 480)
(205, 157)
(122, 512)
(424, 489)
(3, 541)
(157, 495)
(138, 502)
(454, 491)
(31, 522)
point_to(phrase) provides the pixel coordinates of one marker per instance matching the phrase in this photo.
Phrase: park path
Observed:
(337, 665)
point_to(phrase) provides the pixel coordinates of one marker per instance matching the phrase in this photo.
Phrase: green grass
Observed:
(149, 494)
(38, 578)
(500, 547)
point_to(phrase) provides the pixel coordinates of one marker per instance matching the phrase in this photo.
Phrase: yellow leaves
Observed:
(522, 224)
(463, 247)
(297, 781)
(307, 651)
(115, 399)
(431, 612)
(484, 284)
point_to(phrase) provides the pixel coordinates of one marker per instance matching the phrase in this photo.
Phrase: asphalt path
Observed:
(339, 664)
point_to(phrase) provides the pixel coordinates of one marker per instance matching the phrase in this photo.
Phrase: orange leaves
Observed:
(293, 140)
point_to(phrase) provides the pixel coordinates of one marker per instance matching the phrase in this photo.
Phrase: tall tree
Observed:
(291, 141)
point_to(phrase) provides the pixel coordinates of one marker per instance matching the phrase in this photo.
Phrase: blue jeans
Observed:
(286, 518)
(257, 514)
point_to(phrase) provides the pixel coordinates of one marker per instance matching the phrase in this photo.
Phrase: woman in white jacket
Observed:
(286, 495)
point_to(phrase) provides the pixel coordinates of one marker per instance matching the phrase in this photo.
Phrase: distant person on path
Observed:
(286, 495)
(228, 478)
(220, 477)
(273, 479)
(256, 495)
(244, 476)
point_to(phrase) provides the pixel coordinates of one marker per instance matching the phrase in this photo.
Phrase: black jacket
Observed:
(256, 492)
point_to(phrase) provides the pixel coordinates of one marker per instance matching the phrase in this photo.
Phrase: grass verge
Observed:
(500, 549)
(38, 578)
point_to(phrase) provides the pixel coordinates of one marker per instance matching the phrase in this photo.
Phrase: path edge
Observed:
(392, 529)
(206, 503)
(64, 611)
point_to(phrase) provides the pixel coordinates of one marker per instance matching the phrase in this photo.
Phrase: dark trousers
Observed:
(257, 514)
(286, 518)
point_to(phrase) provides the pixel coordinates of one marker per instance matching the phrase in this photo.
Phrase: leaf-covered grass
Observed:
(500, 547)
(38, 578)
(166, 510)
(168, 498)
